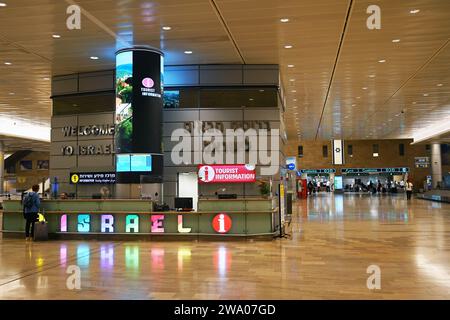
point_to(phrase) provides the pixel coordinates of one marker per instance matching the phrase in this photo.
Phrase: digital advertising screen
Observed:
(172, 99)
(338, 182)
(124, 99)
(123, 163)
(138, 119)
(141, 163)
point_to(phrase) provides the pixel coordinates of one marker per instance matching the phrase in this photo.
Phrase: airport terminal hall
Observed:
(204, 151)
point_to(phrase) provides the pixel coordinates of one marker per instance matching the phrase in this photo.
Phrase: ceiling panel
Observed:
(333, 57)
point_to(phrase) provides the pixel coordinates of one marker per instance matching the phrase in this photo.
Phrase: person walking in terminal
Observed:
(31, 205)
(409, 189)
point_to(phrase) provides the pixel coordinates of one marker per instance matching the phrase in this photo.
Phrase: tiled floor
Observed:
(334, 240)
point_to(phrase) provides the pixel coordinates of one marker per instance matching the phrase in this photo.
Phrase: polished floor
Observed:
(334, 239)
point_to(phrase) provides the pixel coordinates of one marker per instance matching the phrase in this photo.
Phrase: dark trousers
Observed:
(408, 195)
(31, 218)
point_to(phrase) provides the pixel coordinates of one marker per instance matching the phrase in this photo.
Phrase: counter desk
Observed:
(130, 219)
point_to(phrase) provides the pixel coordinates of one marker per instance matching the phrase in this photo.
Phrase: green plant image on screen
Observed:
(124, 101)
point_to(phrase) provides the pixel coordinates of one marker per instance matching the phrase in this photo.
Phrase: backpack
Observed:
(28, 202)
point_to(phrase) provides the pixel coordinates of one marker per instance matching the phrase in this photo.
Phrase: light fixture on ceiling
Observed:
(358, 97)
(364, 88)
(284, 20)
(11, 93)
(188, 52)
(94, 58)
(46, 79)
(382, 61)
(425, 94)
(295, 100)
(414, 102)
(291, 79)
(414, 11)
(2, 4)
(439, 84)
(56, 36)
(396, 40)
(250, 99)
(293, 91)
(353, 105)
(8, 63)
(288, 46)
(372, 76)
(290, 65)
(166, 28)
(261, 90)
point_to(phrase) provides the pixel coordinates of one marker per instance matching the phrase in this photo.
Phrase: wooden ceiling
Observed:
(334, 55)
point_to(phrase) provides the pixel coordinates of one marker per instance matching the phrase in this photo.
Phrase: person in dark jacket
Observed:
(31, 205)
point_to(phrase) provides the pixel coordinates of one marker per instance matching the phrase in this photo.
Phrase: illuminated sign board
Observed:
(291, 163)
(92, 177)
(317, 171)
(86, 223)
(338, 182)
(375, 170)
(422, 162)
(223, 173)
(222, 223)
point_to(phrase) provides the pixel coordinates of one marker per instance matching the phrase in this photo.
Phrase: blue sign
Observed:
(317, 171)
(291, 166)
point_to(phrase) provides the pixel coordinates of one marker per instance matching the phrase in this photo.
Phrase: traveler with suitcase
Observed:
(31, 204)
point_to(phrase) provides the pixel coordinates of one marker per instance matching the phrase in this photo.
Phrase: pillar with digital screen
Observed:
(138, 118)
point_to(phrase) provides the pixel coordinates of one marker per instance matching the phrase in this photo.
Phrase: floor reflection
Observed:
(327, 207)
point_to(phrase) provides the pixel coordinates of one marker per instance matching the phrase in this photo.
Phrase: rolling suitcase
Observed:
(40, 231)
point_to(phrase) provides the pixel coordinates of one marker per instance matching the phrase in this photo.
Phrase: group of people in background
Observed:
(388, 186)
(317, 186)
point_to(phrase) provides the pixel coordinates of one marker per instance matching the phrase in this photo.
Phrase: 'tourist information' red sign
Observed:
(226, 173)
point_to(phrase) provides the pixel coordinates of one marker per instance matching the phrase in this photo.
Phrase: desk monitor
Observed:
(184, 204)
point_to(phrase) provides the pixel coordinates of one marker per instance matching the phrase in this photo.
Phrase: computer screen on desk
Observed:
(183, 203)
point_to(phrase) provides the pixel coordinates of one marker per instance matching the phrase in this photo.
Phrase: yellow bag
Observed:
(41, 217)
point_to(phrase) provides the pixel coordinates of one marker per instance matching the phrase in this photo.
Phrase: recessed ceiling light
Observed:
(261, 90)
(56, 36)
(94, 58)
(414, 102)
(251, 99)
(295, 100)
(2, 4)
(8, 63)
(358, 97)
(290, 65)
(382, 61)
(291, 79)
(414, 11)
(372, 76)
(284, 20)
(439, 84)
(46, 79)
(288, 46)
(364, 88)
(188, 52)
(396, 40)
(12, 93)
(425, 94)
(353, 105)
(167, 28)
(293, 91)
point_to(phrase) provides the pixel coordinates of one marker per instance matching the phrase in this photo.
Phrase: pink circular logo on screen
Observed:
(148, 83)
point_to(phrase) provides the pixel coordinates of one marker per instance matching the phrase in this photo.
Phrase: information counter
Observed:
(130, 219)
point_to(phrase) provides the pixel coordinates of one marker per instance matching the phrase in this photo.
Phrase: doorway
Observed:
(188, 186)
